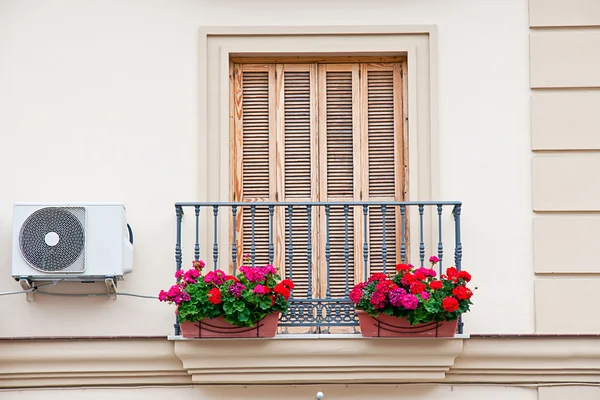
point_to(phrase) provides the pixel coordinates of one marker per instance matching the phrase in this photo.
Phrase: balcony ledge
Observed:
(341, 358)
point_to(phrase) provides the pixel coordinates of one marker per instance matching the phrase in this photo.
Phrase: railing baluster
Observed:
(178, 255)
(252, 229)
(440, 244)
(347, 249)
(403, 228)
(383, 243)
(366, 239)
(421, 243)
(197, 244)
(309, 249)
(458, 252)
(215, 237)
(234, 242)
(327, 252)
(290, 244)
(271, 247)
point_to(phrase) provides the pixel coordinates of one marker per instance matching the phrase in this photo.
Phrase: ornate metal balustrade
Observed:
(338, 242)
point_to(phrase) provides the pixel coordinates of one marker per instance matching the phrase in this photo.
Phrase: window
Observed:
(319, 132)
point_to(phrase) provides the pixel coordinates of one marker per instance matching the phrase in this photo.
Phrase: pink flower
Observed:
(253, 274)
(396, 296)
(236, 289)
(215, 277)
(269, 269)
(162, 296)
(174, 291)
(260, 290)
(426, 272)
(198, 265)
(191, 275)
(178, 274)
(425, 295)
(410, 301)
(185, 296)
(378, 300)
(434, 260)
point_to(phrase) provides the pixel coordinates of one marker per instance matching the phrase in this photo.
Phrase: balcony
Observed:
(325, 247)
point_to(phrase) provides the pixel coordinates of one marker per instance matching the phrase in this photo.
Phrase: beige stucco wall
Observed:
(99, 101)
(564, 43)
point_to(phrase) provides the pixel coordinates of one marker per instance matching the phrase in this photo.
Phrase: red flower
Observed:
(288, 284)
(377, 277)
(462, 292)
(420, 275)
(386, 286)
(417, 287)
(450, 304)
(402, 267)
(407, 279)
(464, 275)
(282, 290)
(452, 272)
(230, 278)
(356, 294)
(214, 296)
(436, 285)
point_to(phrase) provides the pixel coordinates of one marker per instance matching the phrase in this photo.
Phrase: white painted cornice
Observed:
(317, 359)
(58, 362)
(290, 359)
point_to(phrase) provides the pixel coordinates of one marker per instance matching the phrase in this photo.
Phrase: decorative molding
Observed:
(532, 359)
(291, 359)
(317, 359)
(83, 362)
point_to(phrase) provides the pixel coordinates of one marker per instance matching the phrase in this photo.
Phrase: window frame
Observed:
(218, 45)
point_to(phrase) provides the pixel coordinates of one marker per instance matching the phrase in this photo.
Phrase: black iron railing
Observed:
(323, 246)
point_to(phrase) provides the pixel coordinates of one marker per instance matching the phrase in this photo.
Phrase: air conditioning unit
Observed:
(71, 242)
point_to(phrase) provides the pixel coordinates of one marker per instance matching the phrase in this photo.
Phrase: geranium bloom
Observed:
(198, 264)
(426, 271)
(214, 296)
(191, 275)
(215, 277)
(434, 260)
(356, 294)
(386, 286)
(425, 295)
(420, 275)
(407, 279)
(260, 290)
(436, 285)
(462, 292)
(162, 296)
(236, 289)
(417, 287)
(288, 284)
(179, 274)
(465, 276)
(185, 296)
(253, 274)
(450, 304)
(377, 277)
(402, 267)
(269, 269)
(378, 299)
(282, 290)
(396, 296)
(410, 301)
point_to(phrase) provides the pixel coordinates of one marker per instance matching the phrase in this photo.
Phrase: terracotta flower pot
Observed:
(218, 328)
(389, 326)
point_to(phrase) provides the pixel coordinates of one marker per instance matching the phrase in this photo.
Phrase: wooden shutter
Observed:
(253, 164)
(339, 177)
(383, 161)
(327, 132)
(297, 158)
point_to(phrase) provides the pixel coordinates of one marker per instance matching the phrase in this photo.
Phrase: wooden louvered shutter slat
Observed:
(338, 127)
(297, 142)
(381, 135)
(253, 176)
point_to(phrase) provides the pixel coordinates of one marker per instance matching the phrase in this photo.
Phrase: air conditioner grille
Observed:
(52, 239)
